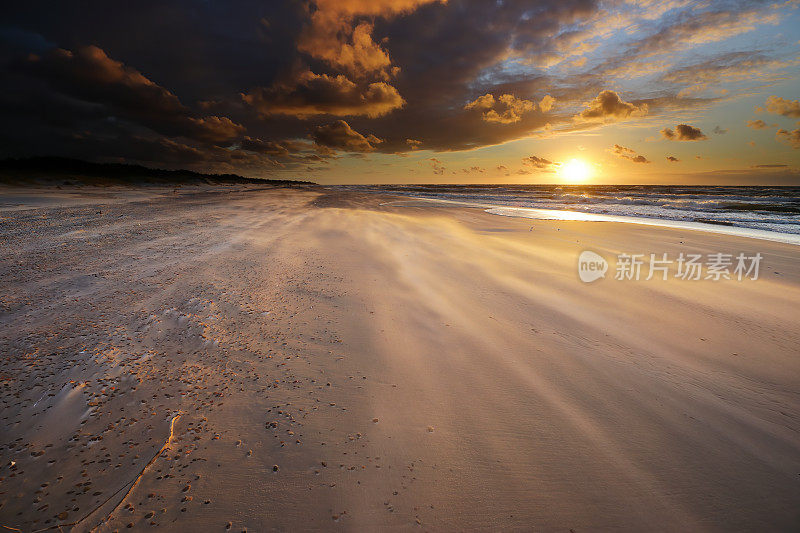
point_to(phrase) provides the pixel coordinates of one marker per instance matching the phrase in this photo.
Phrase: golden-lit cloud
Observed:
(781, 106)
(758, 124)
(505, 109)
(473, 170)
(312, 94)
(333, 36)
(792, 138)
(683, 132)
(437, 166)
(547, 103)
(609, 107)
(349, 49)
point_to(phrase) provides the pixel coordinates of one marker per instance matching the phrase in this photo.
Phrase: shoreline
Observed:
(558, 214)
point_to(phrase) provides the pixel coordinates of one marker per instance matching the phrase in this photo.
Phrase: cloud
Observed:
(555, 49)
(266, 147)
(725, 69)
(333, 36)
(609, 107)
(683, 132)
(89, 74)
(538, 163)
(781, 106)
(758, 124)
(438, 168)
(693, 28)
(287, 152)
(486, 101)
(688, 25)
(505, 109)
(672, 159)
(547, 103)
(339, 135)
(414, 143)
(472, 170)
(720, 131)
(351, 50)
(212, 129)
(310, 94)
(629, 154)
(792, 138)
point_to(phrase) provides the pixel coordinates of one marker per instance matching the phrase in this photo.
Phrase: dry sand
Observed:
(292, 360)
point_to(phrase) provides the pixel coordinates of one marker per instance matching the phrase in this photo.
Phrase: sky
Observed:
(411, 91)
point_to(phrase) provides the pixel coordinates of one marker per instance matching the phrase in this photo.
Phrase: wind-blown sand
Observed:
(300, 359)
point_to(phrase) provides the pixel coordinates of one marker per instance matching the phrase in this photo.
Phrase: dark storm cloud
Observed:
(178, 70)
(88, 74)
(341, 136)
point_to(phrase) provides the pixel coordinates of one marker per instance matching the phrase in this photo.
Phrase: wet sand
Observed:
(258, 359)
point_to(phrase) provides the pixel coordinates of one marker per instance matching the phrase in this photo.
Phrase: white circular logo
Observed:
(591, 266)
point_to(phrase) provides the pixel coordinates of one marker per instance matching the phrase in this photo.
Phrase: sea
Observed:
(767, 212)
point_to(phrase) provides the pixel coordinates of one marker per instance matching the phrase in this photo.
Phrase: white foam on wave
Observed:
(552, 214)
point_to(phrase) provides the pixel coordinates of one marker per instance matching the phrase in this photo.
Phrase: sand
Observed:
(240, 359)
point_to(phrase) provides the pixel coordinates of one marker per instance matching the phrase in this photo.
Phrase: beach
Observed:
(260, 358)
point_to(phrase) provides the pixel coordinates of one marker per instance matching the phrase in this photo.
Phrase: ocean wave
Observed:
(762, 208)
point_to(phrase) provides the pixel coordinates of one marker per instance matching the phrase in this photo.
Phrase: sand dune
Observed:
(289, 359)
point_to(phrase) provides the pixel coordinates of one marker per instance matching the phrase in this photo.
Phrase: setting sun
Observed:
(575, 171)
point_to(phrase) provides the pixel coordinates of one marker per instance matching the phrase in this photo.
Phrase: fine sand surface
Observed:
(287, 359)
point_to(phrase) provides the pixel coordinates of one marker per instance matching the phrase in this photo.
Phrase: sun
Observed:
(575, 171)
